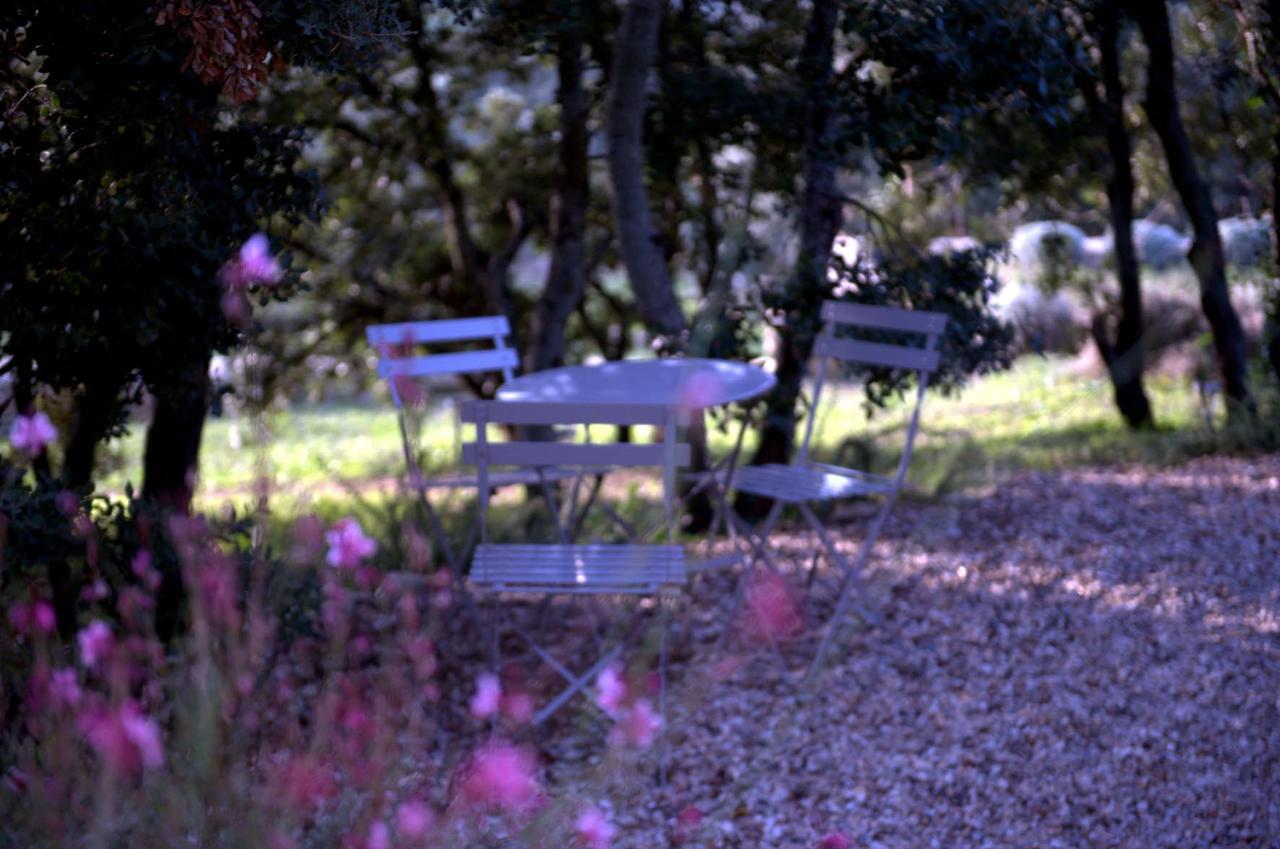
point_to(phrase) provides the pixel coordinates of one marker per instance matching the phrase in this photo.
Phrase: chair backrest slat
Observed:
(668, 454)
(884, 318)
(454, 363)
(445, 330)
(877, 353)
(563, 413)
(573, 454)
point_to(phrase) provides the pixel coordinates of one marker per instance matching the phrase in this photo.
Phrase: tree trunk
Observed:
(566, 279)
(1271, 32)
(820, 217)
(172, 454)
(634, 50)
(92, 408)
(1125, 357)
(1206, 256)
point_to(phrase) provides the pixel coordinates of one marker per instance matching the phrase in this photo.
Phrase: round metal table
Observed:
(690, 382)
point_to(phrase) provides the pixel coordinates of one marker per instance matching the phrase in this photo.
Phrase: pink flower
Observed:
(127, 740)
(96, 642)
(63, 687)
(498, 777)
(835, 840)
(611, 690)
(33, 617)
(637, 727)
(698, 390)
(594, 829)
(253, 265)
(772, 612)
(30, 434)
(687, 822)
(348, 546)
(304, 782)
(518, 707)
(414, 819)
(379, 836)
(307, 537)
(488, 696)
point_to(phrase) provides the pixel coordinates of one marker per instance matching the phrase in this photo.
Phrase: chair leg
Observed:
(753, 541)
(852, 579)
(663, 753)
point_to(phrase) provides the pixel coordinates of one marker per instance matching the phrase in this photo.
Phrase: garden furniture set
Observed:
(553, 413)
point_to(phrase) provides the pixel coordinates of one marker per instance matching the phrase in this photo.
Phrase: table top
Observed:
(687, 382)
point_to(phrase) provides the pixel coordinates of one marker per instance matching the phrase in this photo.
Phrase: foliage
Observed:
(127, 185)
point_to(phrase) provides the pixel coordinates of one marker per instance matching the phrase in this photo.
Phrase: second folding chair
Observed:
(804, 481)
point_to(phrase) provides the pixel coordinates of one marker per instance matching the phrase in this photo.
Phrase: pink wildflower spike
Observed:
(33, 617)
(687, 822)
(593, 828)
(95, 641)
(235, 307)
(64, 689)
(518, 707)
(127, 740)
(68, 503)
(30, 434)
(698, 390)
(414, 819)
(379, 836)
(611, 690)
(304, 782)
(348, 546)
(637, 727)
(488, 696)
(772, 612)
(835, 840)
(307, 538)
(498, 777)
(254, 264)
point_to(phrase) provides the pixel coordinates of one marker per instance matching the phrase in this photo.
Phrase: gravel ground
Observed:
(1087, 658)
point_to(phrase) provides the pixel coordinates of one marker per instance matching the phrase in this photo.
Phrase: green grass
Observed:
(1042, 414)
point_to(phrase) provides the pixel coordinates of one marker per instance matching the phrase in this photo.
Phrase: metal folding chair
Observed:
(634, 568)
(804, 481)
(404, 364)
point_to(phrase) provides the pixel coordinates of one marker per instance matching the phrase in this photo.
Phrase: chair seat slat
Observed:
(794, 484)
(578, 568)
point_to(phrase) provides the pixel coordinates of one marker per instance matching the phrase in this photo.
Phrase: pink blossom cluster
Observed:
(636, 723)
(348, 545)
(490, 700)
(30, 434)
(499, 778)
(253, 265)
(772, 611)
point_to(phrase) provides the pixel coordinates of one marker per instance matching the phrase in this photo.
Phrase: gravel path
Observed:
(1088, 658)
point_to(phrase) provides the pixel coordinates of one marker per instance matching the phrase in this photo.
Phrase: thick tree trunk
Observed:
(566, 279)
(1271, 32)
(1125, 357)
(634, 50)
(172, 453)
(1206, 256)
(1273, 318)
(92, 408)
(820, 218)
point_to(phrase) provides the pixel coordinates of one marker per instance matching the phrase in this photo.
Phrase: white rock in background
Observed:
(1095, 251)
(1030, 242)
(1159, 245)
(1245, 241)
(944, 245)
